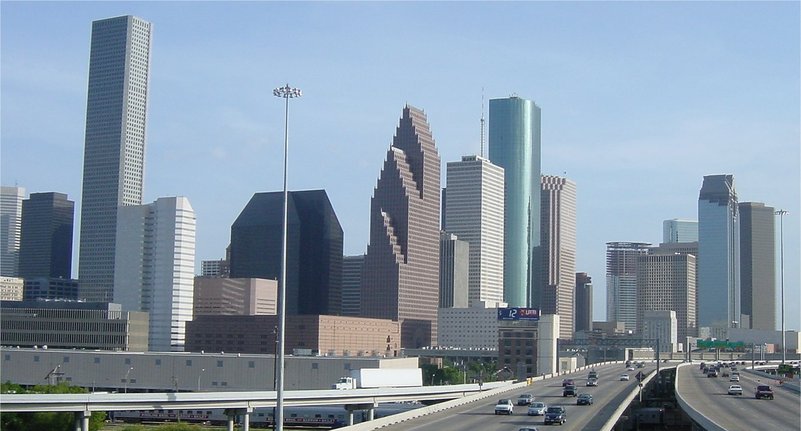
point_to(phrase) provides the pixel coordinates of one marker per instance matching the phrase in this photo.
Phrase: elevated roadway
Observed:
(706, 401)
(611, 396)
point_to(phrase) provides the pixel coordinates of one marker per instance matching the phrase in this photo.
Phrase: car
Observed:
(763, 391)
(555, 414)
(630, 369)
(592, 382)
(584, 399)
(640, 364)
(528, 429)
(537, 409)
(504, 406)
(712, 373)
(566, 382)
(735, 390)
(734, 378)
(569, 391)
(525, 399)
(624, 377)
(724, 373)
(592, 374)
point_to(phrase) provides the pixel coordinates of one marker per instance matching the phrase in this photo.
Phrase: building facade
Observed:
(666, 282)
(454, 259)
(305, 335)
(758, 264)
(235, 296)
(72, 325)
(401, 269)
(555, 278)
(621, 281)
(51, 288)
(215, 268)
(10, 229)
(314, 248)
(583, 318)
(515, 145)
(675, 230)
(473, 210)
(718, 253)
(529, 349)
(662, 325)
(46, 239)
(155, 267)
(352, 267)
(468, 328)
(11, 288)
(114, 149)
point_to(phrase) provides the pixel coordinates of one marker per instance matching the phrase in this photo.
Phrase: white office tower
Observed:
(621, 281)
(155, 267)
(474, 213)
(10, 227)
(114, 148)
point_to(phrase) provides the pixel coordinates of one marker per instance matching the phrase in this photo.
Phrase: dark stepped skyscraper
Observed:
(46, 238)
(314, 248)
(401, 270)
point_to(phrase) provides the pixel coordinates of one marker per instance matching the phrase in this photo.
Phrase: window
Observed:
(7, 357)
(314, 365)
(158, 361)
(251, 364)
(220, 363)
(36, 358)
(127, 361)
(65, 359)
(97, 360)
(188, 362)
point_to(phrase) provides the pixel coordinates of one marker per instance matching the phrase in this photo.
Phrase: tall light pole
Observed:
(287, 93)
(126, 379)
(202, 370)
(781, 214)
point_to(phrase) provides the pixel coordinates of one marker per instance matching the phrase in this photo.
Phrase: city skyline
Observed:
(635, 122)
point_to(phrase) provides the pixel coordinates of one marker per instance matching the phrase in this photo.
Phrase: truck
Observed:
(366, 378)
(763, 391)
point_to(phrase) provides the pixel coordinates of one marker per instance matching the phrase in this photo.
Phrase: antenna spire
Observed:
(482, 121)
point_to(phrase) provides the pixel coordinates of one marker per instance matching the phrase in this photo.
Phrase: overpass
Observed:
(708, 404)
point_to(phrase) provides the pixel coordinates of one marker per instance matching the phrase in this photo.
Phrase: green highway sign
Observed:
(719, 344)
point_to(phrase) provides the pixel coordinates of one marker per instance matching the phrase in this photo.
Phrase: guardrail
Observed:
(695, 415)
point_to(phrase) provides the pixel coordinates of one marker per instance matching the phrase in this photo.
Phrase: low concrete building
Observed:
(529, 348)
(468, 328)
(235, 296)
(311, 334)
(72, 324)
(182, 371)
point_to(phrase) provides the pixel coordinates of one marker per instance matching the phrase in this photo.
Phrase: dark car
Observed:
(567, 382)
(763, 391)
(555, 414)
(584, 399)
(569, 391)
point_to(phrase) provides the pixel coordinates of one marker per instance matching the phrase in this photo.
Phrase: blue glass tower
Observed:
(514, 145)
(718, 253)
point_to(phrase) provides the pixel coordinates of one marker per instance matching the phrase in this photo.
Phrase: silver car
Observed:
(537, 409)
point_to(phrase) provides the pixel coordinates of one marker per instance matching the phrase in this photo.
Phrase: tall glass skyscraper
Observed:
(114, 149)
(10, 229)
(676, 230)
(514, 145)
(46, 241)
(718, 253)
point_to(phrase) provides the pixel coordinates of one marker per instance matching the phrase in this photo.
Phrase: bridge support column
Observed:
(369, 407)
(350, 417)
(82, 420)
(246, 418)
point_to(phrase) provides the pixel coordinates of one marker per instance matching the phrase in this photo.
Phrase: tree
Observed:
(45, 420)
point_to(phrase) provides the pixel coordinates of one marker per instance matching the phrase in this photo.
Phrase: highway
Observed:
(608, 395)
(708, 396)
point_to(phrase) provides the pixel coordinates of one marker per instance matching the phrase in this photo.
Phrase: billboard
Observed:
(519, 313)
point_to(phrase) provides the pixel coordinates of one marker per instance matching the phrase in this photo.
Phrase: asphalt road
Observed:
(709, 396)
(480, 415)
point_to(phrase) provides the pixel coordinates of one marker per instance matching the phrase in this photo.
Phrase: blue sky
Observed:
(639, 101)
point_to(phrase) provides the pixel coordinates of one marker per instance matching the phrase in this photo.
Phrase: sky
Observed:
(639, 101)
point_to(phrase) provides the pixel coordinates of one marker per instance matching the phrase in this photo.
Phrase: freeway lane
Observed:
(480, 414)
(708, 395)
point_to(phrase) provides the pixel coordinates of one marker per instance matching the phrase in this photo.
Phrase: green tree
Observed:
(45, 420)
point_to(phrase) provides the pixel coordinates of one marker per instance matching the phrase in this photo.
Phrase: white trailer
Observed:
(381, 378)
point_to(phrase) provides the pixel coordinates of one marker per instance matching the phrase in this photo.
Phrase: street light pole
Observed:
(286, 93)
(202, 370)
(126, 379)
(781, 214)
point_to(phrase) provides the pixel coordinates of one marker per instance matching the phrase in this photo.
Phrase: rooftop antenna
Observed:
(482, 122)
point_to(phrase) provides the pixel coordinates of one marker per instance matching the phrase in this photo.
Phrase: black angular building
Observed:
(46, 236)
(314, 248)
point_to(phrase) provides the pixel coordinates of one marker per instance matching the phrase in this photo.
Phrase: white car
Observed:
(624, 377)
(734, 378)
(504, 407)
(537, 409)
(735, 390)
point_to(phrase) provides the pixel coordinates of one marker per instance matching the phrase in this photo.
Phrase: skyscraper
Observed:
(555, 273)
(758, 264)
(474, 212)
(666, 282)
(583, 318)
(718, 253)
(352, 285)
(621, 281)
(675, 230)
(401, 269)
(114, 151)
(10, 229)
(454, 258)
(155, 267)
(514, 145)
(46, 241)
(314, 248)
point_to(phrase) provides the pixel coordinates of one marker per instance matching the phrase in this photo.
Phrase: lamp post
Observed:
(202, 370)
(781, 214)
(286, 93)
(126, 379)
